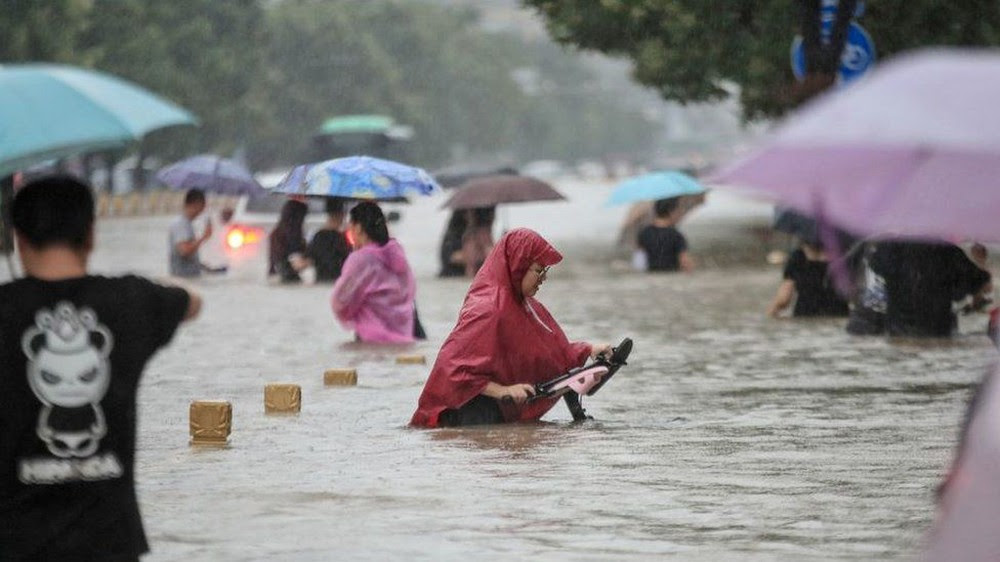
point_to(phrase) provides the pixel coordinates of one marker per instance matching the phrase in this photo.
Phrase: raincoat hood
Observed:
(390, 255)
(501, 336)
(510, 259)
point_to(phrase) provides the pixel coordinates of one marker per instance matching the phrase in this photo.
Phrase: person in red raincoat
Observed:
(504, 343)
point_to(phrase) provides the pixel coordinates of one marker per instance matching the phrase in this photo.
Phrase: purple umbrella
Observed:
(489, 191)
(210, 173)
(969, 510)
(914, 150)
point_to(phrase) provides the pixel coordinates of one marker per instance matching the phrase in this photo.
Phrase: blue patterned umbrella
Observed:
(357, 177)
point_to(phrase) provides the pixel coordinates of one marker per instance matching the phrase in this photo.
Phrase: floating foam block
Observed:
(211, 422)
(411, 360)
(282, 398)
(340, 377)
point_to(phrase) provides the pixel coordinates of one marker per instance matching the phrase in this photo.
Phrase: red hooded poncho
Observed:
(501, 336)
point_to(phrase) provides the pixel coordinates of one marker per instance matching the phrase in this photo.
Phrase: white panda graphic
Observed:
(68, 371)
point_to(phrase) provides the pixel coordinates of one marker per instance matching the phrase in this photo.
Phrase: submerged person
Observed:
(504, 343)
(806, 280)
(662, 247)
(922, 281)
(452, 262)
(287, 243)
(73, 348)
(374, 295)
(478, 239)
(184, 245)
(329, 248)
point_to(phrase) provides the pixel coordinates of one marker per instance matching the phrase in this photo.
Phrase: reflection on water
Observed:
(521, 438)
(727, 436)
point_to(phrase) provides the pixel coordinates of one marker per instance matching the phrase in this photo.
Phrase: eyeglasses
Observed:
(543, 272)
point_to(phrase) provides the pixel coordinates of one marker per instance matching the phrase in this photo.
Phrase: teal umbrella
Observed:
(657, 185)
(51, 111)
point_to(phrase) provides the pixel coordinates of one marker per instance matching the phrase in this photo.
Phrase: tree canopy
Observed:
(264, 74)
(696, 50)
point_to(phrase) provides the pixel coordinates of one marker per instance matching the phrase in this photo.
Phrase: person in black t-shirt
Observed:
(922, 281)
(72, 349)
(663, 247)
(807, 280)
(329, 247)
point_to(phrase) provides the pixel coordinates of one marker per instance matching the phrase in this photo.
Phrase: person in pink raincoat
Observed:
(375, 291)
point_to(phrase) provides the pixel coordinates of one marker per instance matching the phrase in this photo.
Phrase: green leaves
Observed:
(265, 74)
(690, 49)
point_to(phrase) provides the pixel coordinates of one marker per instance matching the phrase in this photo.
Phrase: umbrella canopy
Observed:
(489, 191)
(914, 150)
(657, 185)
(968, 510)
(51, 111)
(211, 173)
(357, 177)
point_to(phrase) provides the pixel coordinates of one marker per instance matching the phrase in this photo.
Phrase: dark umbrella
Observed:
(210, 173)
(489, 191)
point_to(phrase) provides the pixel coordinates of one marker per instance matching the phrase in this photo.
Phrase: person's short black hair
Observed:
(334, 206)
(194, 195)
(663, 207)
(54, 210)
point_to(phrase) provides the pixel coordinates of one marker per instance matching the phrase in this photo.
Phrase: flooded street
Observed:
(728, 436)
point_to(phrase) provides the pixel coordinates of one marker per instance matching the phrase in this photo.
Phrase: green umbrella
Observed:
(345, 124)
(51, 111)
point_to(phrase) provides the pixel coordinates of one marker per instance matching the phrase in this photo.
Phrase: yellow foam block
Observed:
(282, 398)
(211, 422)
(411, 360)
(340, 377)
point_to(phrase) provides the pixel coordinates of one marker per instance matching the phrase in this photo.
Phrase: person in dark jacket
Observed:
(452, 264)
(922, 281)
(286, 254)
(329, 247)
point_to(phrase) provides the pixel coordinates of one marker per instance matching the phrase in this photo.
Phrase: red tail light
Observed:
(239, 236)
(235, 238)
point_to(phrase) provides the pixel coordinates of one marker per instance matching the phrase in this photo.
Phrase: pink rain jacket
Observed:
(501, 336)
(374, 294)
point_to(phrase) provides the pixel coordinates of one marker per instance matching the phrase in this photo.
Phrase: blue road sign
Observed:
(857, 58)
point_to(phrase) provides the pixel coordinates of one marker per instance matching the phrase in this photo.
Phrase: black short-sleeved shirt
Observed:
(663, 246)
(71, 354)
(328, 249)
(922, 280)
(816, 295)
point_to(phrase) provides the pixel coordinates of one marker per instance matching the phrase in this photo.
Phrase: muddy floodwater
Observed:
(727, 437)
